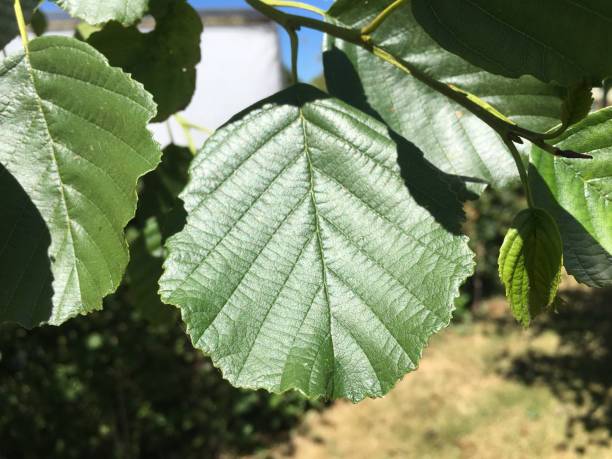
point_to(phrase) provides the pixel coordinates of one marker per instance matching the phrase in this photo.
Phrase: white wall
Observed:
(240, 65)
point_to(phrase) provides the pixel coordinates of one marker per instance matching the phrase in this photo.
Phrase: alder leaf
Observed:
(74, 138)
(126, 12)
(306, 263)
(163, 60)
(450, 136)
(578, 193)
(563, 42)
(530, 262)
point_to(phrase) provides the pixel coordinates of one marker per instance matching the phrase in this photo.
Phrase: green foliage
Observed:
(39, 23)
(8, 24)
(487, 221)
(161, 59)
(306, 235)
(126, 12)
(160, 214)
(451, 137)
(78, 194)
(320, 242)
(530, 261)
(555, 41)
(578, 194)
(111, 385)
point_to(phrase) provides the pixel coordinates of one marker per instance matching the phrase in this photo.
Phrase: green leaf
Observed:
(564, 42)
(306, 263)
(126, 12)
(160, 214)
(74, 137)
(451, 137)
(578, 193)
(577, 104)
(8, 24)
(143, 273)
(163, 60)
(39, 23)
(530, 261)
(160, 191)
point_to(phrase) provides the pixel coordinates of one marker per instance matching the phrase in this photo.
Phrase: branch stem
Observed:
(505, 127)
(292, 4)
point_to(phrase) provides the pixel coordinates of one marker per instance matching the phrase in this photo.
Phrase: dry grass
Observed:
(471, 399)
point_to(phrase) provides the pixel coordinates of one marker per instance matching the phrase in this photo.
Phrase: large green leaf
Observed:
(564, 42)
(530, 261)
(8, 24)
(306, 263)
(163, 60)
(74, 137)
(127, 12)
(451, 137)
(578, 193)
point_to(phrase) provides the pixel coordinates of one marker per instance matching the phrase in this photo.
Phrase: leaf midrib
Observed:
(60, 183)
(313, 200)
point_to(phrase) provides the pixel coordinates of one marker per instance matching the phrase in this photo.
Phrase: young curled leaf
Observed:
(530, 262)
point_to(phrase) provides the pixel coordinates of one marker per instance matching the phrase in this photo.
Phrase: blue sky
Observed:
(310, 64)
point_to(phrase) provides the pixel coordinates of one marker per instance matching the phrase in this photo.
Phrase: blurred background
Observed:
(116, 384)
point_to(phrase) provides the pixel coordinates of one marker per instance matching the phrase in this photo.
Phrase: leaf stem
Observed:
(505, 127)
(292, 4)
(295, 49)
(522, 171)
(186, 127)
(23, 31)
(378, 20)
(169, 128)
(293, 21)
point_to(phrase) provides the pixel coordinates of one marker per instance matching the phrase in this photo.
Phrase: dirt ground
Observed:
(486, 389)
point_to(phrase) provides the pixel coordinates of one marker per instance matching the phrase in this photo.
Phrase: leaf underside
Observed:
(578, 193)
(451, 137)
(564, 42)
(305, 262)
(74, 139)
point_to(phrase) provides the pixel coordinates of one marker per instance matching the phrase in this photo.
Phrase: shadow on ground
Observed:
(578, 369)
